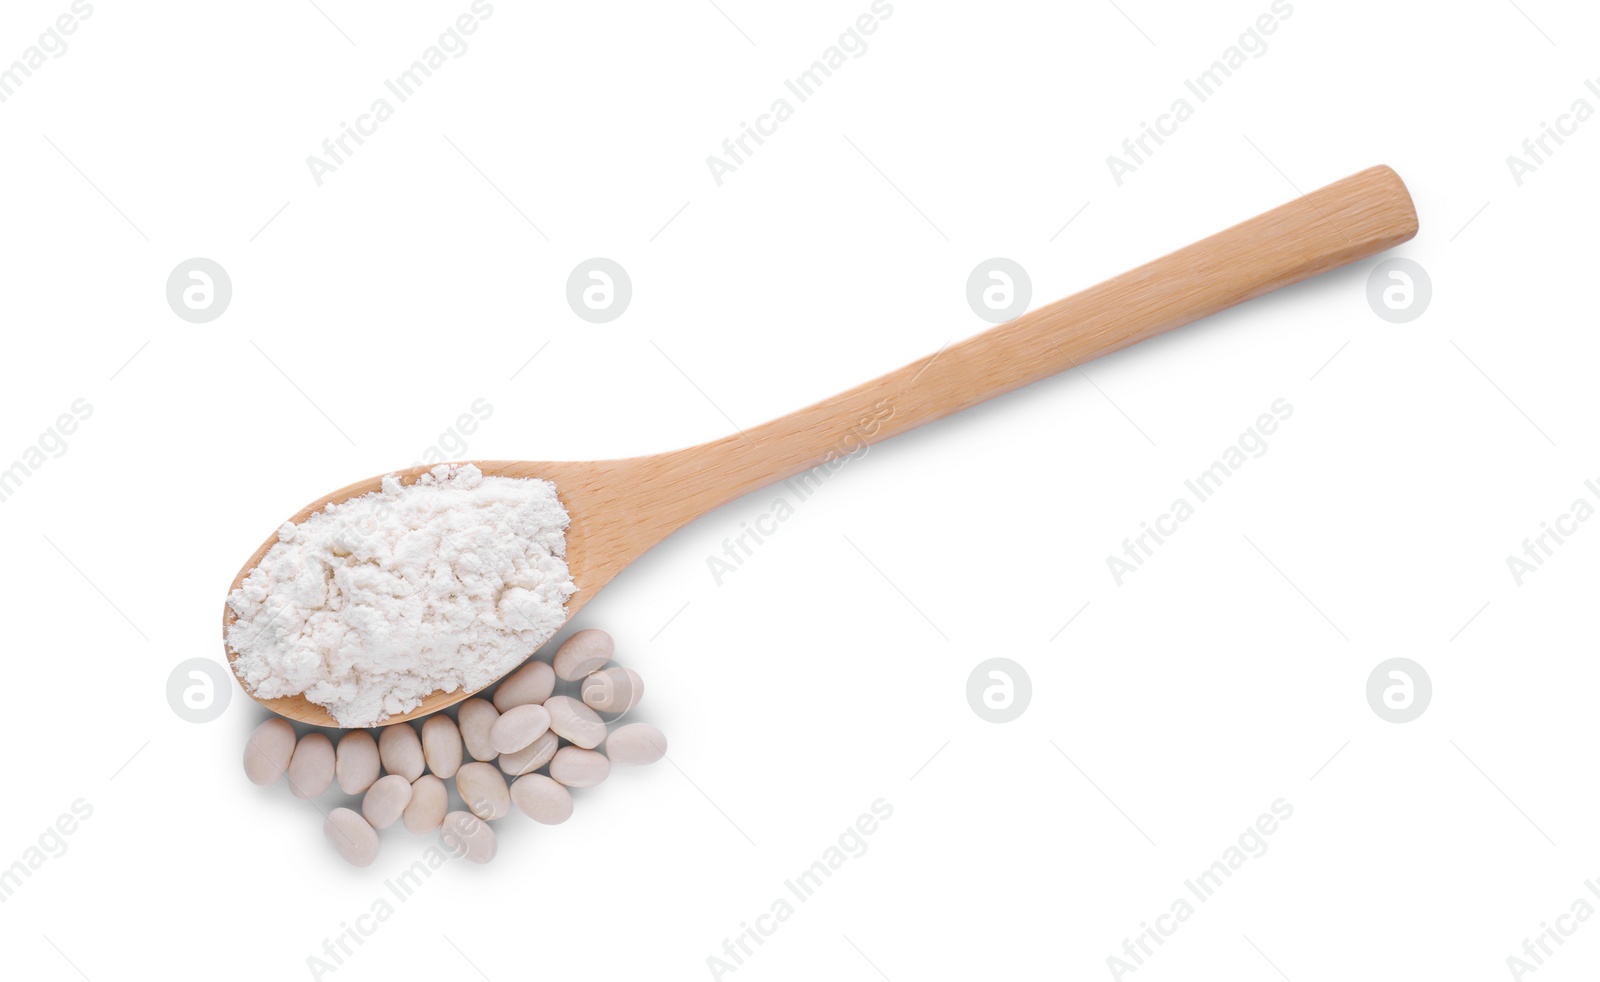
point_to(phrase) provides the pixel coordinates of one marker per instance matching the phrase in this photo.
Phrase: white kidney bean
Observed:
(613, 690)
(532, 757)
(349, 833)
(401, 751)
(441, 745)
(517, 727)
(467, 836)
(311, 768)
(476, 718)
(583, 653)
(575, 721)
(542, 799)
(355, 761)
(483, 790)
(430, 799)
(635, 744)
(532, 683)
(268, 751)
(386, 800)
(579, 768)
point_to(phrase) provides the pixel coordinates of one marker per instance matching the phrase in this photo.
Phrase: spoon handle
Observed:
(1346, 221)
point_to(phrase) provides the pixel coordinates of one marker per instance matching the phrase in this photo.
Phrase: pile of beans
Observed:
(543, 742)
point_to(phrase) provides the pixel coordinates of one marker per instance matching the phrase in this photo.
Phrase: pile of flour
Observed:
(372, 604)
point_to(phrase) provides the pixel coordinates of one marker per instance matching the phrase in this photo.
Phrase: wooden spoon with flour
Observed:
(620, 508)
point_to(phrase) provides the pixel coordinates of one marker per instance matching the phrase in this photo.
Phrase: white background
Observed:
(830, 670)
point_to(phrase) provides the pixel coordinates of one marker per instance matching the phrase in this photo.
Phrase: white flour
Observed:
(370, 605)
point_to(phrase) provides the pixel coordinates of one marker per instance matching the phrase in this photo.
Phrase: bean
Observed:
(268, 751)
(352, 836)
(386, 800)
(517, 727)
(441, 745)
(483, 790)
(532, 757)
(476, 718)
(430, 799)
(635, 744)
(466, 836)
(530, 684)
(583, 653)
(575, 721)
(542, 799)
(401, 750)
(355, 761)
(311, 768)
(579, 768)
(613, 690)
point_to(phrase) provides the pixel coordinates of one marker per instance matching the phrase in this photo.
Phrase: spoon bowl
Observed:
(596, 550)
(621, 508)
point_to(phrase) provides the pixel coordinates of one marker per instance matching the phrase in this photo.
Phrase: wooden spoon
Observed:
(620, 508)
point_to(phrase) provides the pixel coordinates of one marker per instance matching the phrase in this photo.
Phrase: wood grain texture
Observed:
(621, 508)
